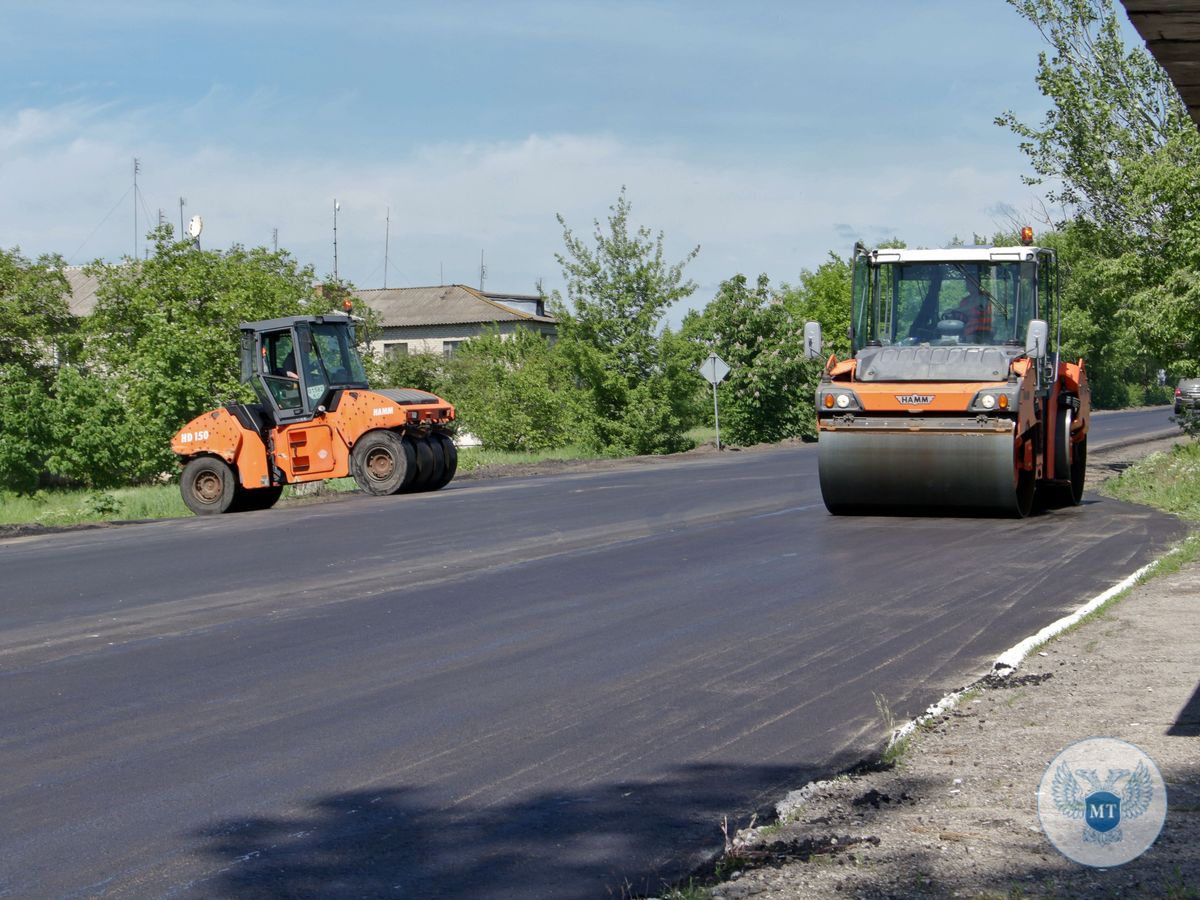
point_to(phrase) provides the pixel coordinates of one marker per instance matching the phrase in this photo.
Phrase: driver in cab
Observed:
(975, 311)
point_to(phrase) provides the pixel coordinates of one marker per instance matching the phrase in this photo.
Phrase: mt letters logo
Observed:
(1102, 802)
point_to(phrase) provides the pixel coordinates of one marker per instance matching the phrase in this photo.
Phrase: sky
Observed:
(767, 133)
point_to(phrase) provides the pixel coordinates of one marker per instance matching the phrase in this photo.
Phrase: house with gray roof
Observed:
(438, 319)
(412, 319)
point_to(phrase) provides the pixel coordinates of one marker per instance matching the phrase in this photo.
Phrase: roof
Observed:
(1171, 30)
(955, 254)
(82, 297)
(452, 304)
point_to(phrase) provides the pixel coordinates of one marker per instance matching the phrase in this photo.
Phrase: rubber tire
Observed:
(431, 462)
(253, 499)
(208, 486)
(450, 458)
(380, 463)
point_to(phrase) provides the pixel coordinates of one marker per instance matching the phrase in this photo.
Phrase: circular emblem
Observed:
(1102, 802)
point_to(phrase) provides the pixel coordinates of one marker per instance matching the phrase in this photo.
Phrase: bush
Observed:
(514, 394)
(24, 436)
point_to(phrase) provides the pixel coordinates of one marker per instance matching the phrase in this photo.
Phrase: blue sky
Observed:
(767, 133)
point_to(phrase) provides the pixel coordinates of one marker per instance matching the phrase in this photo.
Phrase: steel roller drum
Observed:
(889, 470)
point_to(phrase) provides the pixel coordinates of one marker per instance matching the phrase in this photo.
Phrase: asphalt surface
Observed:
(1112, 429)
(548, 687)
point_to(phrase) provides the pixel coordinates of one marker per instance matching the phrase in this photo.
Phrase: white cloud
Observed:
(65, 168)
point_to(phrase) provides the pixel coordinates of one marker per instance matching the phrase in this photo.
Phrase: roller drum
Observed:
(883, 470)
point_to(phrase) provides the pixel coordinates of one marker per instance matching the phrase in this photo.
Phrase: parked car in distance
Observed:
(1187, 395)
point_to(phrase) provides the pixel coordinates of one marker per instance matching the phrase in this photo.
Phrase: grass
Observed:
(1168, 481)
(66, 506)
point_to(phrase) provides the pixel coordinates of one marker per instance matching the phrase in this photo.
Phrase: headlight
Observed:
(839, 399)
(993, 401)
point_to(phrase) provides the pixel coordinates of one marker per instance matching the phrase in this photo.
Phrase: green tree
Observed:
(164, 338)
(1113, 110)
(514, 393)
(823, 295)
(24, 435)
(768, 395)
(36, 326)
(423, 371)
(619, 292)
(1122, 157)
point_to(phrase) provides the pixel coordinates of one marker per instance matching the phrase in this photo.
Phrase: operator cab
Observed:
(298, 365)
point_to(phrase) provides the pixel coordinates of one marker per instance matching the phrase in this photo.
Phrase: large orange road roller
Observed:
(315, 418)
(954, 396)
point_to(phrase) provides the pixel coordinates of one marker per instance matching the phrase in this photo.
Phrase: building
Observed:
(82, 297)
(438, 319)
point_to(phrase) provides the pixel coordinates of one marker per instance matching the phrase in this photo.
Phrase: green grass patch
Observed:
(76, 506)
(1168, 481)
(73, 507)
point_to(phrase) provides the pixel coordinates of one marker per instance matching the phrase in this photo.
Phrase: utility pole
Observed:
(275, 239)
(182, 203)
(482, 271)
(387, 230)
(136, 168)
(336, 207)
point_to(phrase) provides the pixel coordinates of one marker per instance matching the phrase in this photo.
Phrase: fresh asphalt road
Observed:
(1110, 429)
(537, 687)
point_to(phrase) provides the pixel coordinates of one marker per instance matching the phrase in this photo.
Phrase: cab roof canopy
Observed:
(955, 255)
(289, 321)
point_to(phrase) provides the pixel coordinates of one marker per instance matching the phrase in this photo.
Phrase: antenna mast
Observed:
(182, 203)
(136, 168)
(482, 271)
(275, 239)
(387, 229)
(336, 207)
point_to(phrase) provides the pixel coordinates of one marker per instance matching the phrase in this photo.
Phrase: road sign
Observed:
(714, 369)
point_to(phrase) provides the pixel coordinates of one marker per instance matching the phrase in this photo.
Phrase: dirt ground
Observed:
(957, 815)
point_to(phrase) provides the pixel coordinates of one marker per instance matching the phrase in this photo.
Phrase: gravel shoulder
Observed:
(957, 815)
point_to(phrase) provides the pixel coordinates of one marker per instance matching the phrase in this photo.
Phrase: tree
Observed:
(515, 393)
(24, 436)
(1123, 159)
(1113, 111)
(823, 296)
(164, 340)
(36, 326)
(768, 395)
(619, 292)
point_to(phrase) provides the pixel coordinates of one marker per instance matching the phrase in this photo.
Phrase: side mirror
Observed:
(813, 341)
(1037, 339)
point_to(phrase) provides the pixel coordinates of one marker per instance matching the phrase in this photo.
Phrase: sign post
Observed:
(714, 369)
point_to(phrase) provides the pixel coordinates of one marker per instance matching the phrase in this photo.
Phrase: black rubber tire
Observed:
(208, 486)
(250, 500)
(450, 461)
(380, 463)
(431, 462)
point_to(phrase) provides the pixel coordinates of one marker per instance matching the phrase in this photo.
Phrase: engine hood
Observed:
(964, 363)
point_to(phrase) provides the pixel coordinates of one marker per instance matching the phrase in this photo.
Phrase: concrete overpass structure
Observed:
(1171, 30)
